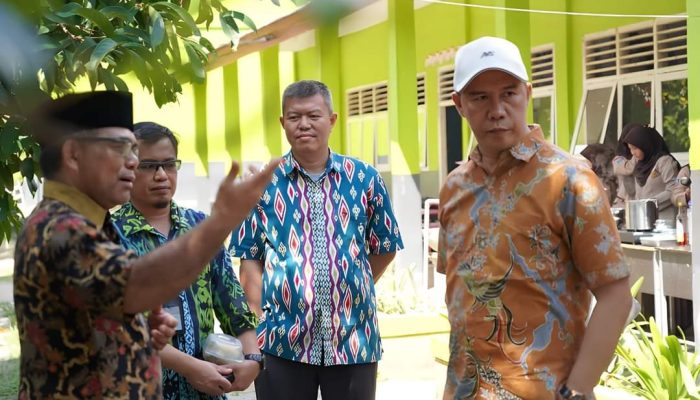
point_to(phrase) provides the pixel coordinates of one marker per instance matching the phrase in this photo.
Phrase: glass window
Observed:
(636, 103)
(542, 114)
(674, 106)
(591, 120)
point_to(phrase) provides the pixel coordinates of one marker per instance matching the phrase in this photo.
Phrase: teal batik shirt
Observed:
(314, 236)
(215, 292)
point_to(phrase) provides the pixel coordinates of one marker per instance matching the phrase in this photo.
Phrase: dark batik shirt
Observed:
(69, 282)
(216, 291)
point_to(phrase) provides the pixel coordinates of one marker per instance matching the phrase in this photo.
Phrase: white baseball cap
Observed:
(487, 53)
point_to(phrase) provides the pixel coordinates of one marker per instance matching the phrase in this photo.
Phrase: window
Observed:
(638, 73)
(674, 114)
(543, 102)
(367, 134)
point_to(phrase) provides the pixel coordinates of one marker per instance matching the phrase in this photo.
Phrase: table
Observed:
(667, 271)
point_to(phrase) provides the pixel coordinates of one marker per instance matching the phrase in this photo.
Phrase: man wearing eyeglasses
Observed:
(79, 295)
(150, 220)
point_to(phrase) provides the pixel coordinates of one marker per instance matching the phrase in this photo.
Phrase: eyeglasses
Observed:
(123, 145)
(168, 166)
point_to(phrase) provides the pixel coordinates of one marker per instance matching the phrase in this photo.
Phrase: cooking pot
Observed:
(640, 215)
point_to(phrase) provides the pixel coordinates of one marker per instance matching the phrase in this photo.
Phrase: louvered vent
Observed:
(353, 103)
(420, 85)
(636, 50)
(600, 56)
(542, 67)
(381, 98)
(445, 86)
(366, 101)
(671, 43)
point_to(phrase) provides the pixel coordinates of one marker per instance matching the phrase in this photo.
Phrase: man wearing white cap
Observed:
(526, 236)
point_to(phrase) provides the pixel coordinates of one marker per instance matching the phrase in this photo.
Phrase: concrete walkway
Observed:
(407, 371)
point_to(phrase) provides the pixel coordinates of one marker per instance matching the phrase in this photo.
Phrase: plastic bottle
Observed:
(681, 231)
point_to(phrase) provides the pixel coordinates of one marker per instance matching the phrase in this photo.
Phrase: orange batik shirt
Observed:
(521, 249)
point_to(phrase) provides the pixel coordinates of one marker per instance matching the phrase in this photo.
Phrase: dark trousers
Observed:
(289, 380)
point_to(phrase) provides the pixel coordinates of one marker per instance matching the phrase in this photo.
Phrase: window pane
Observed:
(674, 103)
(611, 130)
(593, 118)
(636, 103)
(542, 113)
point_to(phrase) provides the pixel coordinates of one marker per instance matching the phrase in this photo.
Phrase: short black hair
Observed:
(50, 160)
(305, 89)
(151, 132)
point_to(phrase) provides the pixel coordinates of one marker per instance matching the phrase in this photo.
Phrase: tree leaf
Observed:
(125, 14)
(157, 28)
(180, 12)
(245, 19)
(100, 52)
(96, 18)
(195, 62)
(207, 44)
(27, 168)
(230, 27)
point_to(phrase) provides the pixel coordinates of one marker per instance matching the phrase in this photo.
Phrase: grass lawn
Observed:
(9, 363)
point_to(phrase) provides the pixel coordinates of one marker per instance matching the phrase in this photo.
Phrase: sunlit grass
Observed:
(9, 362)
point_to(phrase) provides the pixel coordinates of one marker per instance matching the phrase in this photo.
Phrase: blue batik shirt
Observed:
(314, 237)
(215, 292)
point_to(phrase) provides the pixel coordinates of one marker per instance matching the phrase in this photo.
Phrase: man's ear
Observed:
(333, 118)
(70, 154)
(282, 121)
(529, 90)
(458, 103)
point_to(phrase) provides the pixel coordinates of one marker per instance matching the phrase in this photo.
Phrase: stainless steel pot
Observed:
(640, 215)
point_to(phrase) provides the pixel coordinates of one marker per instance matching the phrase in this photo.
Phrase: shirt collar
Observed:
(139, 223)
(335, 163)
(77, 200)
(524, 150)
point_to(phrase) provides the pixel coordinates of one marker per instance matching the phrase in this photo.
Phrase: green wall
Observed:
(364, 60)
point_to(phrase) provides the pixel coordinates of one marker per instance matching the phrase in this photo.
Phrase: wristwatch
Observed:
(256, 357)
(568, 394)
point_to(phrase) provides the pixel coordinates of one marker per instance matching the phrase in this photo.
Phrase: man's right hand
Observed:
(236, 197)
(209, 378)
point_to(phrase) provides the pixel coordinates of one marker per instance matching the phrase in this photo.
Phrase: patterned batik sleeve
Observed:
(382, 232)
(92, 270)
(594, 240)
(230, 304)
(247, 242)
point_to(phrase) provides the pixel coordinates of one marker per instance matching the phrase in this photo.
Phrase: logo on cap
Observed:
(487, 54)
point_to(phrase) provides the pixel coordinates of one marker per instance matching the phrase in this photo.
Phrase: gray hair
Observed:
(305, 89)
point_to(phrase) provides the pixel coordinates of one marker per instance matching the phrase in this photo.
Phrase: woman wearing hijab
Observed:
(656, 169)
(623, 167)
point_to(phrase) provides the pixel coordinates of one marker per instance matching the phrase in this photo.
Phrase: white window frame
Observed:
(682, 157)
(548, 92)
(607, 82)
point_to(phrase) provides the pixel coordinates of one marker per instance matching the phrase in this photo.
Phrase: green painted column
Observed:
(328, 54)
(403, 125)
(201, 145)
(271, 110)
(517, 30)
(232, 112)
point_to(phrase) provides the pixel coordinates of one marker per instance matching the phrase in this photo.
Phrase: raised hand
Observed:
(162, 327)
(236, 197)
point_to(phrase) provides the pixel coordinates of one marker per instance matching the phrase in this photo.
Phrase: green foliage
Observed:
(674, 97)
(397, 292)
(653, 367)
(99, 39)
